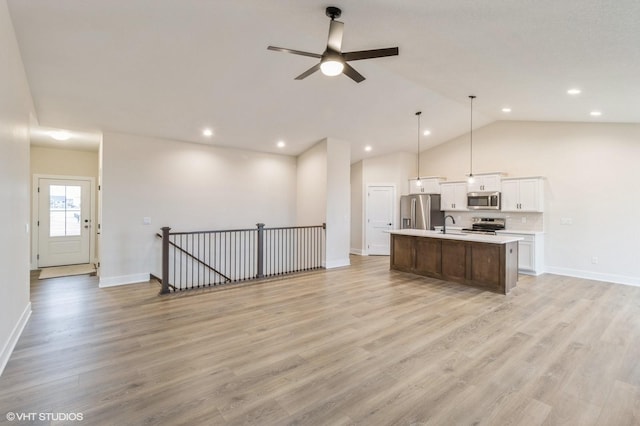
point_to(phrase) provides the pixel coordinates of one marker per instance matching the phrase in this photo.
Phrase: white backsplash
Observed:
(514, 221)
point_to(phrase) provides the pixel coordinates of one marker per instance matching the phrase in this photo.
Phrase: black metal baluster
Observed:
(297, 249)
(235, 254)
(219, 256)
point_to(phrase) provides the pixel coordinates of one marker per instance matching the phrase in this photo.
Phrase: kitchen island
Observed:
(486, 261)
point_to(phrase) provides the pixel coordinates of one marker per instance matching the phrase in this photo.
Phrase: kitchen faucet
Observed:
(444, 223)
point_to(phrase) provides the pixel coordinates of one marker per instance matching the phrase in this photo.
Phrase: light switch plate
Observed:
(146, 220)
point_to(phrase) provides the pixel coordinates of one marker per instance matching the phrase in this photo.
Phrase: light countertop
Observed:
(503, 231)
(478, 238)
(515, 231)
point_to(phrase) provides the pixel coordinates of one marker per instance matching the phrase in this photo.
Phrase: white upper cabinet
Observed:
(485, 183)
(429, 185)
(523, 194)
(453, 196)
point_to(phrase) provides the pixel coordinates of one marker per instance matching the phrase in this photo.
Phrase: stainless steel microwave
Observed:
(483, 200)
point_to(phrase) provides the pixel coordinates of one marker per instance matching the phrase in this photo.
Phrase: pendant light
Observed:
(418, 182)
(471, 178)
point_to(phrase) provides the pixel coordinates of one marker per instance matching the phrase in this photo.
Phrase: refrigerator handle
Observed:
(413, 213)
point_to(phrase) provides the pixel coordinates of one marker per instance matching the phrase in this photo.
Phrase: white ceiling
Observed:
(169, 68)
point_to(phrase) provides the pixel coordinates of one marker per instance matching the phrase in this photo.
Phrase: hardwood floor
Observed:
(357, 345)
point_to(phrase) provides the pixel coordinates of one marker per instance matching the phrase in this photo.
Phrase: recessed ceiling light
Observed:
(574, 91)
(207, 132)
(60, 135)
(506, 109)
(281, 144)
(427, 132)
(368, 148)
(595, 113)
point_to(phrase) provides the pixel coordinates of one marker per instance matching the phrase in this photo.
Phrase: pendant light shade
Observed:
(418, 182)
(471, 178)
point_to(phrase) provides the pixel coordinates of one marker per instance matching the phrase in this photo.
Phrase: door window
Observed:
(64, 210)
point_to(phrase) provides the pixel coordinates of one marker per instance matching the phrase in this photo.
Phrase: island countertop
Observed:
(477, 238)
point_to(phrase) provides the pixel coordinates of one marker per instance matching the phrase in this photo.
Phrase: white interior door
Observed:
(379, 212)
(64, 222)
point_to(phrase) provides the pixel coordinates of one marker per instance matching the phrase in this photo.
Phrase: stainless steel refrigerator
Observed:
(420, 211)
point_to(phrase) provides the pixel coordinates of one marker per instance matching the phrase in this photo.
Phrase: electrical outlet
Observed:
(146, 220)
(594, 260)
(566, 221)
(524, 219)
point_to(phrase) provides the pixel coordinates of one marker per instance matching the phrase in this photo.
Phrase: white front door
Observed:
(64, 221)
(379, 212)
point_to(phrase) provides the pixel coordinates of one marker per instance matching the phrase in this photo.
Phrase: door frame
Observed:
(35, 211)
(394, 210)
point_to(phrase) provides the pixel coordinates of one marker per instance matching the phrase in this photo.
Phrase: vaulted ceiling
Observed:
(169, 68)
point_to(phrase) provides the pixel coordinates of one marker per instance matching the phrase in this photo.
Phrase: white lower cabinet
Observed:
(530, 252)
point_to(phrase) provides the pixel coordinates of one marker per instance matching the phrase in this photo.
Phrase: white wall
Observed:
(68, 162)
(592, 174)
(323, 196)
(16, 110)
(357, 208)
(186, 187)
(311, 188)
(338, 203)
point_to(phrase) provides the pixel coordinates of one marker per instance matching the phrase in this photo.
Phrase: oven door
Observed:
(483, 200)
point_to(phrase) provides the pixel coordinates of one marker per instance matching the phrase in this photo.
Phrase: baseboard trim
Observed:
(13, 338)
(358, 252)
(123, 280)
(337, 263)
(597, 276)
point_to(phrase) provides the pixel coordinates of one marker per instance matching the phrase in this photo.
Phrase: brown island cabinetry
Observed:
(486, 261)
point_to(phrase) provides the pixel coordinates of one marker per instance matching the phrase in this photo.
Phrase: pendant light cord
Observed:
(472, 97)
(418, 114)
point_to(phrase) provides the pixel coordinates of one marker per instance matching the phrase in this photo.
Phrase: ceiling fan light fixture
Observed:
(334, 61)
(331, 67)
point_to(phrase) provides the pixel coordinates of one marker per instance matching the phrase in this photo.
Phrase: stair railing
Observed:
(210, 258)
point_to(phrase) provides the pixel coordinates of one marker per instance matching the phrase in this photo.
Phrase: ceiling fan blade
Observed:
(308, 72)
(369, 54)
(336, 29)
(295, 52)
(350, 72)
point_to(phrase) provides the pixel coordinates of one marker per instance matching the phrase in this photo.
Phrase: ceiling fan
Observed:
(334, 61)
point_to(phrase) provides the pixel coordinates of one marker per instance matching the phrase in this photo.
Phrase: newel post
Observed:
(165, 260)
(260, 250)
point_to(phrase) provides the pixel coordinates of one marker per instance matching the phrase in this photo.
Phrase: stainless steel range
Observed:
(485, 225)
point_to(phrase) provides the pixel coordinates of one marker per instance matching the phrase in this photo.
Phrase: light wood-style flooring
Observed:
(356, 345)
